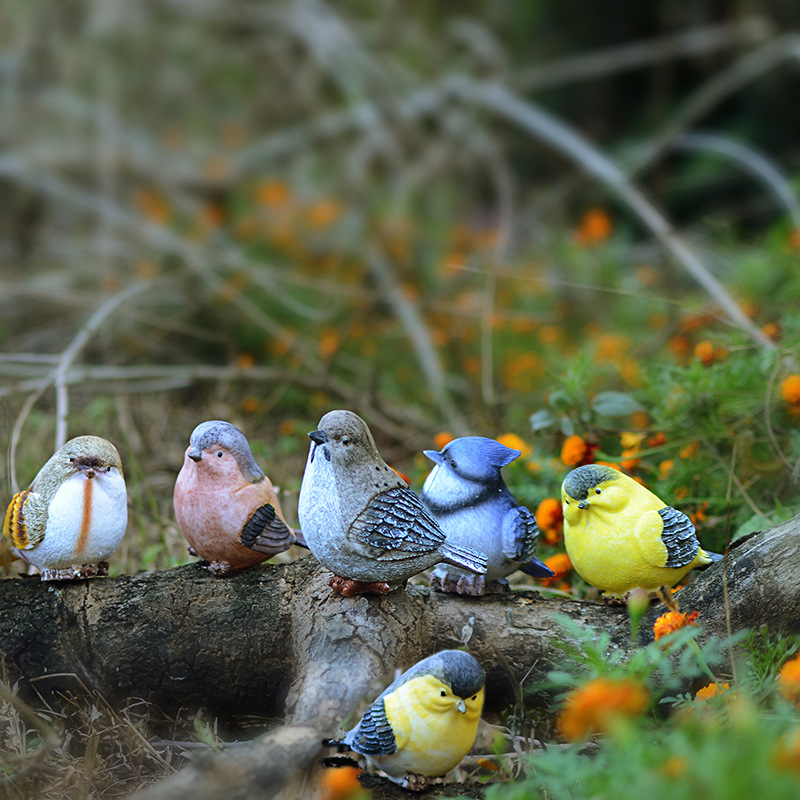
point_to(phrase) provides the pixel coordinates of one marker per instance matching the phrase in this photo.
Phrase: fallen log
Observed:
(276, 642)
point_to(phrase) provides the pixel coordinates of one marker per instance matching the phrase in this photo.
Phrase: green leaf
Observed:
(542, 419)
(615, 404)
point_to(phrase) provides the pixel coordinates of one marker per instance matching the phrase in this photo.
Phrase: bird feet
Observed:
(415, 783)
(348, 587)
(470, 585)
(221, 568)
(76, 573)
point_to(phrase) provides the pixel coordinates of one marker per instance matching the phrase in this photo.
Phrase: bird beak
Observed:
(461, 705)
(195, 454)
(433, 455)
(583, 504)
(318, 437)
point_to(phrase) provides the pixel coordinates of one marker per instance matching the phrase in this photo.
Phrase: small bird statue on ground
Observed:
(422, 725)
(359, 518)
(225, 505)
(467, 496)
(74, 514)
(620, 536)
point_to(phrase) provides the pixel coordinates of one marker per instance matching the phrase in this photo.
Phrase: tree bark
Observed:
(275, 641)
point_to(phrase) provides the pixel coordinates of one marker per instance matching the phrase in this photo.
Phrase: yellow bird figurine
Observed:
(620, 536)
(422, 725)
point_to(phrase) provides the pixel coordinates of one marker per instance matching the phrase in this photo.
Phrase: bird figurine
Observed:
(422, 725)
(619, 536)
(360, 519)
(466, 494)
(74, 514)
(226, 507)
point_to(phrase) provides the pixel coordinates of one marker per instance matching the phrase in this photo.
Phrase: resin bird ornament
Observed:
(359, 518)
(74, 514)
(467, 496)
(225, 505)
(619, 536)
(422, 725)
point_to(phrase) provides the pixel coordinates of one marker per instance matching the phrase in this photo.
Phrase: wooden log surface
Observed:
(275, 641)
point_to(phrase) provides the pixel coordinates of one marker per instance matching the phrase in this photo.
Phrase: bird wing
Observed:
(373, 736)
(678, 537)
(396, 524)
(15, 527)
(519, 534)
(266, 532)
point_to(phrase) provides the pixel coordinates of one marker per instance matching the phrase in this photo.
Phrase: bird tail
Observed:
(465, 557)
(537, 569)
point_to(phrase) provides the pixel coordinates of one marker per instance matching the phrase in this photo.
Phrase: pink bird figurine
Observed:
(225, 505)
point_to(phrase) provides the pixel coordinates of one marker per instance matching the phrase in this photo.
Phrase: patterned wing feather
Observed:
(14, 527)
(373, 736)
(266, 532)
(396, 522)
(519, 534)
(678, 537)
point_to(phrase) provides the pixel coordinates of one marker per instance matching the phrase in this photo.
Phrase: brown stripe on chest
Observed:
(86, 517)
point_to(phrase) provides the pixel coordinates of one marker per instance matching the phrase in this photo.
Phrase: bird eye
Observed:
(566, 501)
(475, 697)
(443, 693)
(345, 440)
(219, 453)
(71, 459)
(597, 491)
(453, 464)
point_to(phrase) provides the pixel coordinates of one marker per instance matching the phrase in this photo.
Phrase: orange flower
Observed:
(516, 443)
(328, 342)
(790, 392)
(711, 690)
(272, 193)
(550, 519)
(599, 706)
(323, 213)
(561, 566)
(691, 450)
(665, 467)
(595, 226)
(786, 755)
(441, 439)
(341, 783)
(153, 205)
(771, 329)
(789, 679)
(675, 767)
(575, 451)
(707, 354)
(672, 621)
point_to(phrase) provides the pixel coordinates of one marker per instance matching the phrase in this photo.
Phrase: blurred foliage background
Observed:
(575, 229)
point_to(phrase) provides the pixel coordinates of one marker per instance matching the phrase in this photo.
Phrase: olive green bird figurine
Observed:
(74, 514)
(422, 725)
(619, 536)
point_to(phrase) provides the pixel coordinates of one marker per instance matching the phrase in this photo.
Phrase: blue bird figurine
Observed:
(467, 496)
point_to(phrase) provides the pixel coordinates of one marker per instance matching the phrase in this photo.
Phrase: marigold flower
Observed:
(675, 767)
(711, 690)
(665, 467)
(272, 193)
(441, 439)
(561, 565)
(516, 443)
(690, 451)
(786, 755)
(328, 342)
(771, 329)
(790, 391)
(704, 352)
(595, 226)
(574, 451)
(550, 518)
(789, 679)
(341, 783)
(672, 621)
(599, 706)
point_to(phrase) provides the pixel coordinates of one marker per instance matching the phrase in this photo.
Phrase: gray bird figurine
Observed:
(359, 518)
(467, 496)
(225, 505)
(74, 514)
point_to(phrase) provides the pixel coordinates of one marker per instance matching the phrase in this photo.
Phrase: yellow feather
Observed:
(14, 522)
